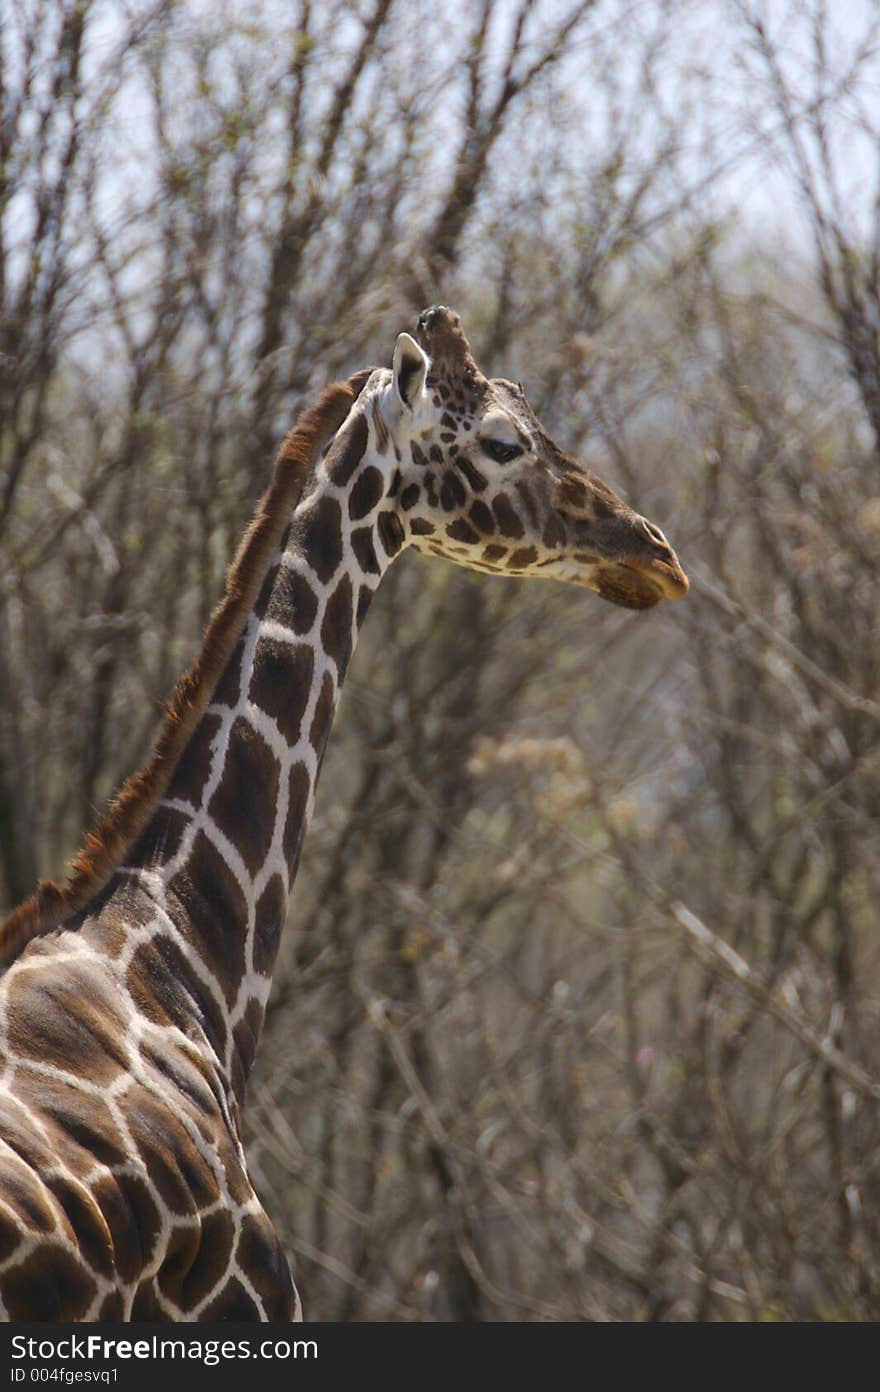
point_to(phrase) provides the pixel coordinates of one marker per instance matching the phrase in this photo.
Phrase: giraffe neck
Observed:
(221, 852)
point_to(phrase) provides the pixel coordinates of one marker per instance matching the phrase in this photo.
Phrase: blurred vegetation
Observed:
(579, 1007)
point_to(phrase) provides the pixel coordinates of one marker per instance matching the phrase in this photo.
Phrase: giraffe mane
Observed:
(133, 805)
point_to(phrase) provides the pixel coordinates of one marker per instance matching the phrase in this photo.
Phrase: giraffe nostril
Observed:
(654, 534)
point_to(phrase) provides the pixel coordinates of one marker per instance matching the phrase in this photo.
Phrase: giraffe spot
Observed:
(476, 480)
(81, 1125)
(211, 912)
(396, 479)
(48, 1284)
(11, 1236)
(431, 490)
(244, 803)
(194, 766)
(365, 494)
(482, 518)
(264, 596)
(520, 559)
(336, 627)
(365, 598)
(112, 1308)
(294, 826)
(391, 533)
(435, 454)
(573, 492)
(215, 1249)
(132, 1217)
(319, 537)
(269, 919)
(121, 906)
(528, 502)
(452, 494)
(410, 496)
(554, 531)
(261, 1255)
(227, 689)
(323, 716)
(604, 503)
(364, 550)
(292, 601)
(418, 455)
(281, 684)
(161, 840)
(24, 1195)
(180, 1253)
(509, 524)
(233, 1303)
(447, 420)
(178, 1172)
(245, 1038)
(68, 1014)
(419, 527)
(446, 437)
(87, 1227)
(175, 1072)
(347, 450)
(461, 531)
(215, 1241)
(166, 990)
(146, 1307)
(494, 553)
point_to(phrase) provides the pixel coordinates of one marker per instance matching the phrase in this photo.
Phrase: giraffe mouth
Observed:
(629, 588)
(640, 586)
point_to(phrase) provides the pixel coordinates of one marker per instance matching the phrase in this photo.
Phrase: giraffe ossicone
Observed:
(132, 998)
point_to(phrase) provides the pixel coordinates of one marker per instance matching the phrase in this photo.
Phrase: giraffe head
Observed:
(482, 484)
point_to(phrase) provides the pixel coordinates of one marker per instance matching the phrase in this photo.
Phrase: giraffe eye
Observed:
(500, 450)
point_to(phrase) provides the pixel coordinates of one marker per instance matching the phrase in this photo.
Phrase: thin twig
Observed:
(735, 967)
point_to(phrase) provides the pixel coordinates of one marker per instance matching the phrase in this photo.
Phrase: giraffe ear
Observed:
(410, 368)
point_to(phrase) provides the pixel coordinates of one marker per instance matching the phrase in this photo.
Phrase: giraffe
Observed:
(132, 998)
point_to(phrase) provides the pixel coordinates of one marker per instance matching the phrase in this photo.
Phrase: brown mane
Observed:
(134, 804)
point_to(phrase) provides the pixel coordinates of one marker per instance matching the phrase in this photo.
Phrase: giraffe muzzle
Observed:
(630, 562)
(657, 563)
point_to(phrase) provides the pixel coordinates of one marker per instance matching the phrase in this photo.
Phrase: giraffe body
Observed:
(131, 1008)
